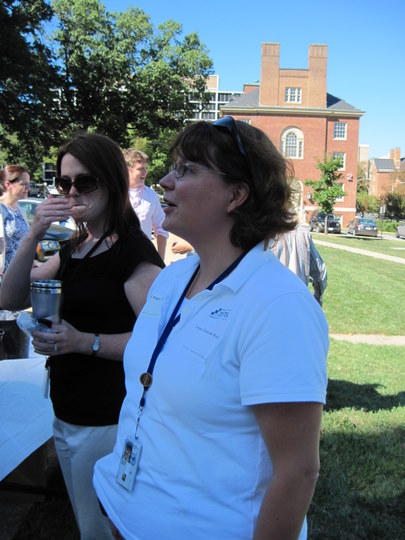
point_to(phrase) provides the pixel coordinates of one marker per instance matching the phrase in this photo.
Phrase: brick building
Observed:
(306, 122)
(387, 174)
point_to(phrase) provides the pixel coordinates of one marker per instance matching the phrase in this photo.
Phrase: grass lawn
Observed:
(361, 490)
(364, 295)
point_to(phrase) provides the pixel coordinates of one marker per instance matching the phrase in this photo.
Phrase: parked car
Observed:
(55, 237)
(317, 223)
(35, 189)
(400, 232)
(362, 226)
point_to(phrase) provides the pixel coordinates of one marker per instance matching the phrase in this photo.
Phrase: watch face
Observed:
(96, 344)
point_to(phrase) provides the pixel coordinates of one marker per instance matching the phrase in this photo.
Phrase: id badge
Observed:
(129, 463)
(46, 381)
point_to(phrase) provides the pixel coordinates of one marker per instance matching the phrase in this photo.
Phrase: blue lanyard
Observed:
(146, 378)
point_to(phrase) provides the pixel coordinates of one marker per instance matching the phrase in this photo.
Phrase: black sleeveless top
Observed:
(85, 389)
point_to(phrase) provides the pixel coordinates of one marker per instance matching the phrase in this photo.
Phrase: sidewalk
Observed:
(171, 257)
(371, 339)
(391, 258)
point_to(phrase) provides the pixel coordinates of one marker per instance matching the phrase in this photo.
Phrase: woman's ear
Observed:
(240, 193)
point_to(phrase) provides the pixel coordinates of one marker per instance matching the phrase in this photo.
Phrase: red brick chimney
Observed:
(269, 80)
(317, 64)
(395, 154)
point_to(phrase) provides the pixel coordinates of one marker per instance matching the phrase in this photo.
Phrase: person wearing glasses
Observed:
(106, 271)
(226, 366)
(14, 186)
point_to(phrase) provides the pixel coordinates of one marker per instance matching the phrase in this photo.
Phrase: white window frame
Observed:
(293, 94)
(296, 135)
(340, 131)
(342, 156)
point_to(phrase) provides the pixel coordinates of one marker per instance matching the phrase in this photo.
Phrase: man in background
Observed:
(144, 200)
(297, 251)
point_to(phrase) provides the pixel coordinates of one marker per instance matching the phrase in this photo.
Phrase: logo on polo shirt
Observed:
(220, 313)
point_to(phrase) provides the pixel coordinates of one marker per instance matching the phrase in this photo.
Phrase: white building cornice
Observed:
(290, 111)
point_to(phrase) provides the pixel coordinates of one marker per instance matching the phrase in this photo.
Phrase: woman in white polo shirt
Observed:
(226, 368)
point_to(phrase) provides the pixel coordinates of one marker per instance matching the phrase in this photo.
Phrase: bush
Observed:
(386, 225)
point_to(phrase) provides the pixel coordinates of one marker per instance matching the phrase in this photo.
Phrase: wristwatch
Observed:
(96, 344)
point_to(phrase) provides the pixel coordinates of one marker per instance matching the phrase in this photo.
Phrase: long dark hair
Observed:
(104, 159)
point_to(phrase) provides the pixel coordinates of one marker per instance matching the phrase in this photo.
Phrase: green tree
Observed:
(158, 154)
(328, 188)
(397, 179)
(119, 72)
(361, 171)
(28, 118)
(366, 203)
(394, 205)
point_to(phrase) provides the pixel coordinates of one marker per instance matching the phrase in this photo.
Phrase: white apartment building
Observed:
(219, 98)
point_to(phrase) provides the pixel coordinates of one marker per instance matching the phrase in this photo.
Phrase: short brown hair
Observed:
(267, 210)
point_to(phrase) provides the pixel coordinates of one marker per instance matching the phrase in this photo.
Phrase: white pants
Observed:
(78, 448)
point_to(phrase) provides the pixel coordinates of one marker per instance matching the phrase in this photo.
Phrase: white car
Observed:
(400, 232)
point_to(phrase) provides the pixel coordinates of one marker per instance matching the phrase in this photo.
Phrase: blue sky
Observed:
(366, 49)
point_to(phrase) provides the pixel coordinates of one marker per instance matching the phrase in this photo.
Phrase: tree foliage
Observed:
(328, 188)
(394, 205)
(397, 180)
(27, 73)
(158, 154)
(114, 73)
(118, 71)
(366, 203)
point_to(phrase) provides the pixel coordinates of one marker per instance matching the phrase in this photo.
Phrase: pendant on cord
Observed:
(146, 380)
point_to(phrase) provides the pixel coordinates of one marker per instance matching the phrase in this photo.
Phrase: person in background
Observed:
(106, 271)
(226, 367)
(144, 200)
(181, 247)
(2, 246)
(296, 250)
(14, 186)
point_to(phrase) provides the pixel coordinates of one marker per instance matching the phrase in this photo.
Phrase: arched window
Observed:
(292, 143)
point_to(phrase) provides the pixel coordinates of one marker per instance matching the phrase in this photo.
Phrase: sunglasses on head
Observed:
(19, 181)
(228, 124)
(83, 183)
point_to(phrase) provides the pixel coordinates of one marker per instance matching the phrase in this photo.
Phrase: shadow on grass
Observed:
(342, 394)
(360, 493)
(359, 519)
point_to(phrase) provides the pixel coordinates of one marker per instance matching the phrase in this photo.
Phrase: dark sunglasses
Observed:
(83, 183)
(228, 123)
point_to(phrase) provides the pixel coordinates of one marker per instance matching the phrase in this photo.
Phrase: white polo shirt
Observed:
(258, 337)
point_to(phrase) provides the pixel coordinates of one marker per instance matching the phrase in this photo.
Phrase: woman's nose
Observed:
(72, 191)
(167, 182)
